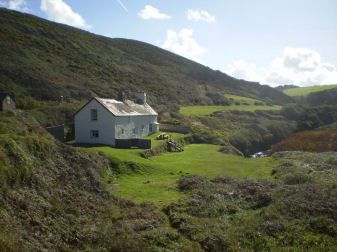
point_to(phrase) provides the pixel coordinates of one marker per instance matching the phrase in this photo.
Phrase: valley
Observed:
(60, 195)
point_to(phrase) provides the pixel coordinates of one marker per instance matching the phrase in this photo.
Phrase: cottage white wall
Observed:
(125, 125)
(104, 124)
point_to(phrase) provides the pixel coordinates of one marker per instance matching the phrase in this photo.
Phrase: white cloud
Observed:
(242, 70)
(59, 11)
(300, 66)
(184, 44)
(200, 15)
(150, 12)
(18, 5)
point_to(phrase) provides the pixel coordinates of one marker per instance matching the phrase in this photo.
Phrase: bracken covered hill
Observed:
(45, 60)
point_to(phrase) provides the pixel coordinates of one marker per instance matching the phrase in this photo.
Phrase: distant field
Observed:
(304, 91)
(208, 110)
(157, 180)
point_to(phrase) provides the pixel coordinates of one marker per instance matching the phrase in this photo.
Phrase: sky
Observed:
(272, 42)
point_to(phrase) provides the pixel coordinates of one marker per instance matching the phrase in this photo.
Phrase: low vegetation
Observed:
(312, 141)
(295, 212)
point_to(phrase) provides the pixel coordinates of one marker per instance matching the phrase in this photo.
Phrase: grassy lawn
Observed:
(158, 183)
(304, 91)
(208, 110)
(134, 153)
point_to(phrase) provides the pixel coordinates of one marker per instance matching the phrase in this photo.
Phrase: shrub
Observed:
(189, 183)
(40, 147)
(296, 179)
(324, 225)
(314, 141)
(17, 163)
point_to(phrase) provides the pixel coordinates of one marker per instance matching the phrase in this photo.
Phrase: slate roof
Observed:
(126, 108)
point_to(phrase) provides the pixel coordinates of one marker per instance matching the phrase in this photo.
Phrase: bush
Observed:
(324, 225)
(189, 183)
(296, 179)
(17, 163)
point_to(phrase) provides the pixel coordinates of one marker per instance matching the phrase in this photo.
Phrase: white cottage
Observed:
(102, 121)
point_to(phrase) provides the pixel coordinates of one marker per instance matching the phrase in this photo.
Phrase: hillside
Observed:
(46, 60)
(305, 91)
(52, 199)
(313, 141)
(324, 97)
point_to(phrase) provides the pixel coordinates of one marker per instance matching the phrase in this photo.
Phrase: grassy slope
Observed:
(46, 60)
(241, 98)
(165, 170)
(208, 110)
(247, 104)
(304, 91)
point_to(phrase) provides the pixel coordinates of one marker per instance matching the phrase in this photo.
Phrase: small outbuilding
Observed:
(106, 121)
(6, 101)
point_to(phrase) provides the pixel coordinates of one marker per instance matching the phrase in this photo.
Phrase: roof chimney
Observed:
(121, 96)
(141, 98)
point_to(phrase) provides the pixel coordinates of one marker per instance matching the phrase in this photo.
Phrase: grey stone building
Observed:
(6, 101)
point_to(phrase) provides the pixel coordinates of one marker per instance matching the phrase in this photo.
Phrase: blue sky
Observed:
(273, 42)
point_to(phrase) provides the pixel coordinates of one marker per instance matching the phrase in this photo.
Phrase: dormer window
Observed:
(93, 114)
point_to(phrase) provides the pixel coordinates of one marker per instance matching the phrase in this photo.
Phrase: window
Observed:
(122, 131)
(150, 127)
(94, 134)
(134, 130)
(93, 115)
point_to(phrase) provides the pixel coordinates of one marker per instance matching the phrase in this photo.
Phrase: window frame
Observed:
(94, 134)
(93, 116)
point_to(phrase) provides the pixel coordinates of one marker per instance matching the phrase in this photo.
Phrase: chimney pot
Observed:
(141, 98)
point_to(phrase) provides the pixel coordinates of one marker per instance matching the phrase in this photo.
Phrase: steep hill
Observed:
(45, 60)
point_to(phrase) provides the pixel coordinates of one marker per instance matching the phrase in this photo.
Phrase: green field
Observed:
(208, 110)
(304, 91)
(157, 180)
